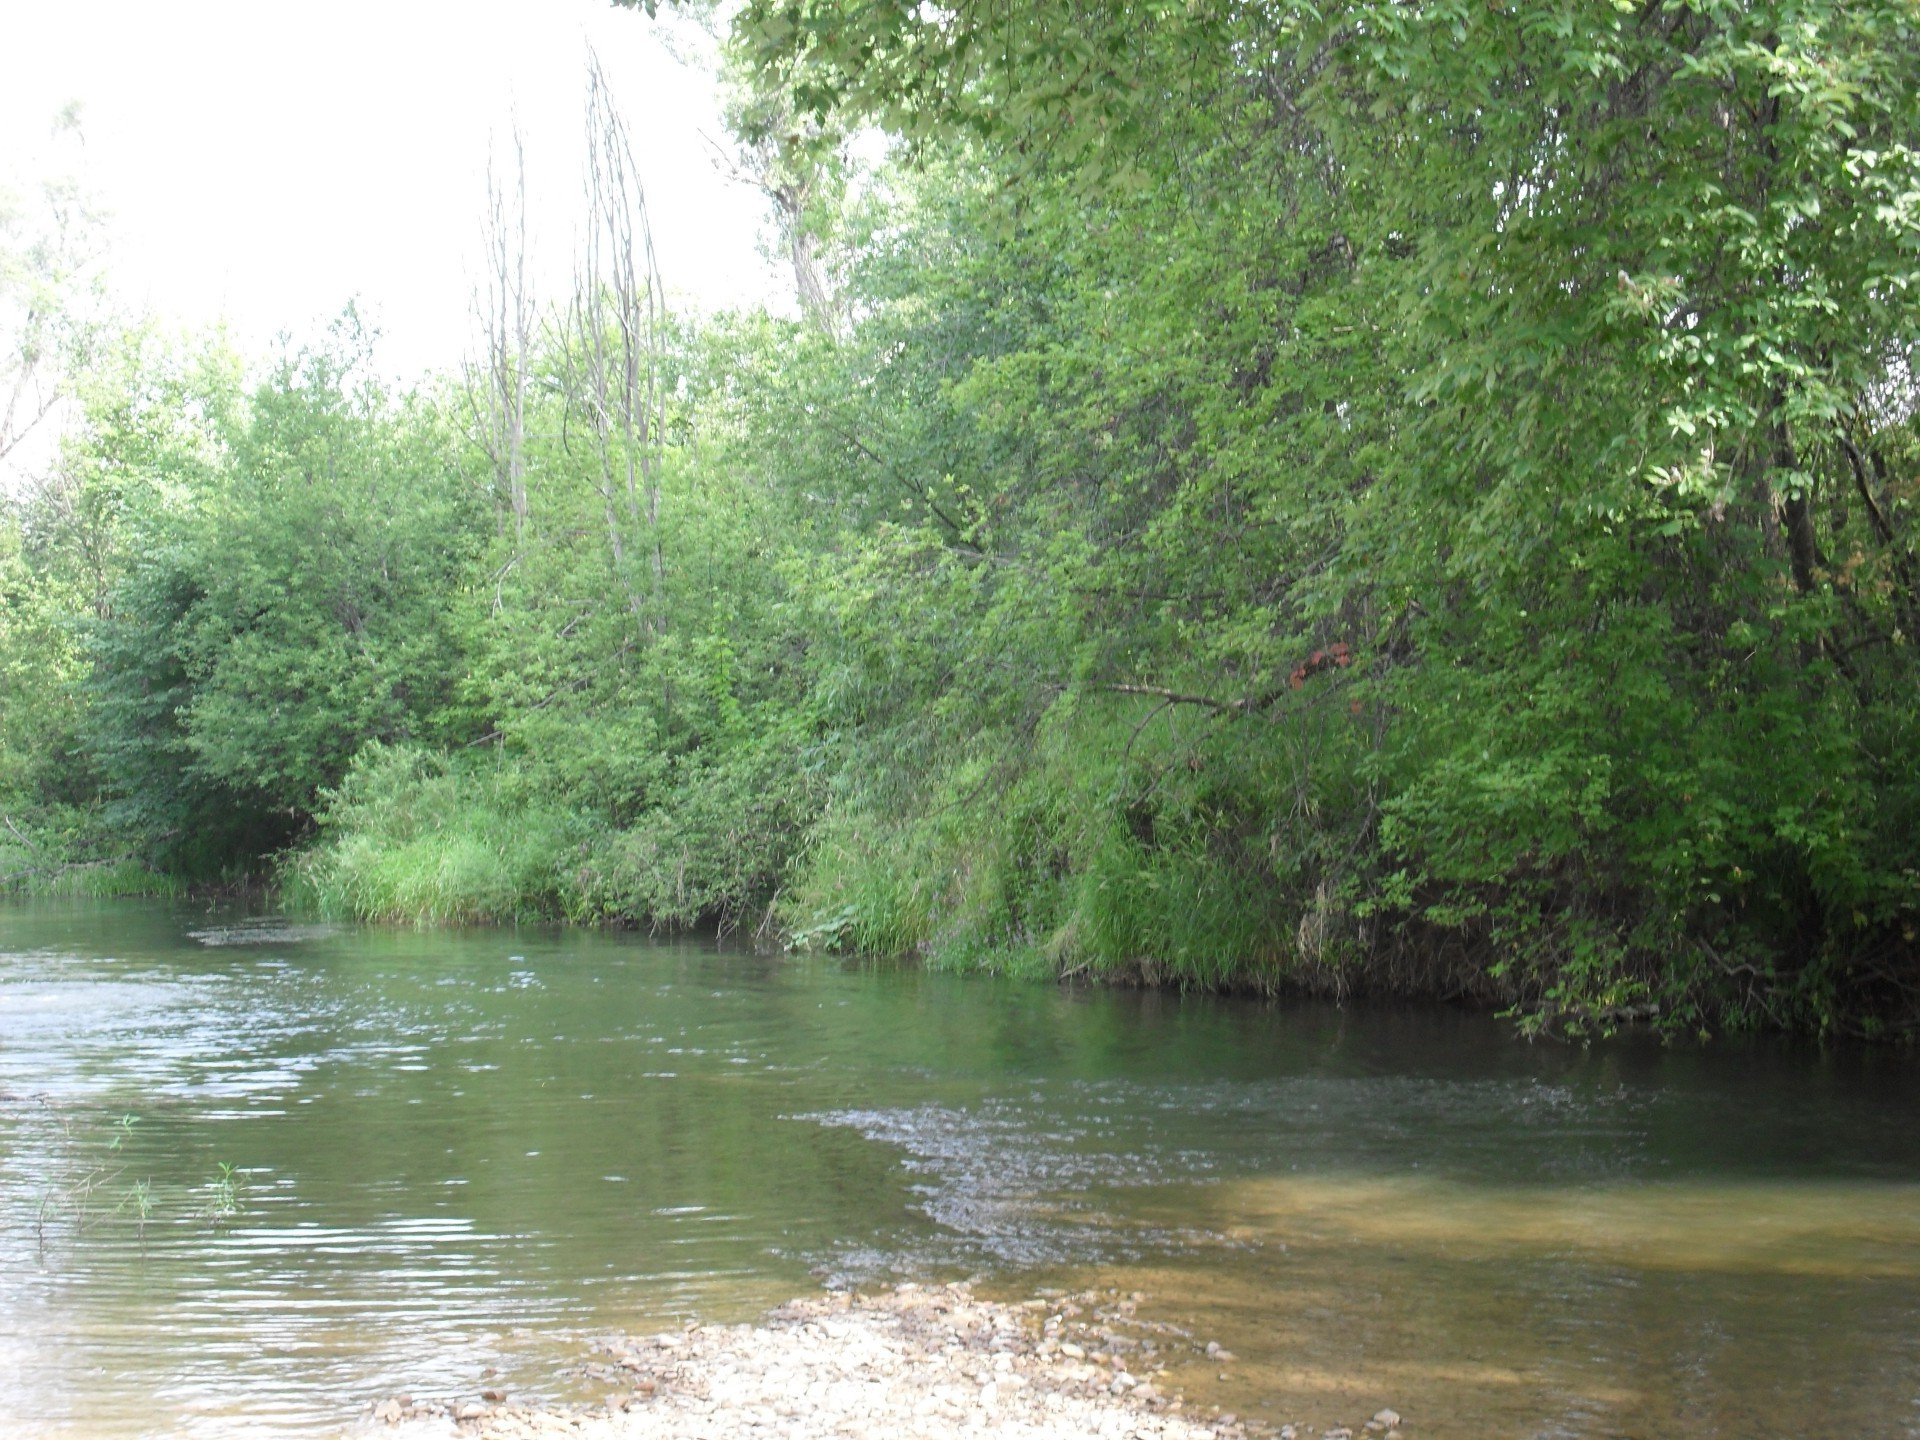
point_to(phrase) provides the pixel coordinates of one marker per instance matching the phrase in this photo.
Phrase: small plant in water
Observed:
(124, 1130)
(223, 1197)
(138, 1198)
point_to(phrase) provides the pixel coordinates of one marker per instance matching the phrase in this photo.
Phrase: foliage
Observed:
(1383, 497)
(1549, 368)
(280, 588)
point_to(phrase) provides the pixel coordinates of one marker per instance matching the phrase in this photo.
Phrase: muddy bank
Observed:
(910, 1364)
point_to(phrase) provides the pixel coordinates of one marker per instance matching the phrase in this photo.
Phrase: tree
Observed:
(613, 350)
(1550, 370)
(49, 246)
(507, 309)
(804, 171)
(293, 590)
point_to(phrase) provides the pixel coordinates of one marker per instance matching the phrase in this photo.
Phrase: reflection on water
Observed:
(253, 1174)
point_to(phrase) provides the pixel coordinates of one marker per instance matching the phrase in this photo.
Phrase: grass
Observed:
(424, 844)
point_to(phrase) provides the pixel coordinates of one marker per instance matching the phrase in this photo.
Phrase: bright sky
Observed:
(264, 161)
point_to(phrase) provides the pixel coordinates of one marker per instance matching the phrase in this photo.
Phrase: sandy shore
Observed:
(933, 1363)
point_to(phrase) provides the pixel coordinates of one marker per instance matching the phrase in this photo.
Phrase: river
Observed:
(255, 1173)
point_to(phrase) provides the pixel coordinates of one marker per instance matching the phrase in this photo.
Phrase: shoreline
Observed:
(933, 1362)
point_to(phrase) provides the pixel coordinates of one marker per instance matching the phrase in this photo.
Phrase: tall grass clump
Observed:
(714, 844)
(70, 853)
(1106, 848)
(415, 837)
(121, 879)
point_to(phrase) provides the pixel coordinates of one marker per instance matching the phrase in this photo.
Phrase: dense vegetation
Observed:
(1397, 498)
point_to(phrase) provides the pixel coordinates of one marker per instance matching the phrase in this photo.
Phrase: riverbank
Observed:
(915, 1363)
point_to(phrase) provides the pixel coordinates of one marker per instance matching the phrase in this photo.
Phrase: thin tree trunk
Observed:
(1796, 513)
(506, 309)
(621, 314)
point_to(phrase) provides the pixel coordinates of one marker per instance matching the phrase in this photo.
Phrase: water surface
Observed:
(253, 1175)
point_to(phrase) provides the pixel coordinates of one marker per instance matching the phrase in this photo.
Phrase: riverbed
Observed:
(257, 1175)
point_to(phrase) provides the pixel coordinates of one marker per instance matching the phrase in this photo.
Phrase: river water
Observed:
(254, 1174)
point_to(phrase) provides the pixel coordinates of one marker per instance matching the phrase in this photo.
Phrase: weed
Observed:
(139, 1197)
(124, 1128)
(223, 1193)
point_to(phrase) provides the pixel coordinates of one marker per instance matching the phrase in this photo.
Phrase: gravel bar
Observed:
(914, 1363)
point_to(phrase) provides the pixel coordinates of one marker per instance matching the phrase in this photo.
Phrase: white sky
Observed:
(264, 161)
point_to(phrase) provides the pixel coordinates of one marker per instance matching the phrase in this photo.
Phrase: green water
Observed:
(448, 1154)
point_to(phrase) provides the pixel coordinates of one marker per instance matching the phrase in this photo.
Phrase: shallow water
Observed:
(253, 1175)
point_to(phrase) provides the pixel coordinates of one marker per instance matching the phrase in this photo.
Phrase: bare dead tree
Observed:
(505, 306)
(619, 331)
